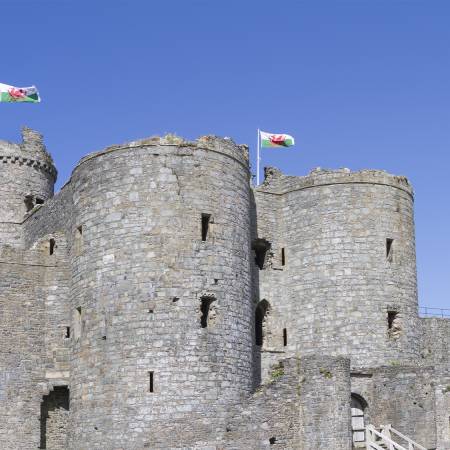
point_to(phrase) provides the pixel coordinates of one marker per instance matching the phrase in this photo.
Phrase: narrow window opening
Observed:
(104, 337)
(392, 315)
(52, 246)
(206, 314)
(394, 324)
(283, 257)
(67, 332)
(389, 249)
(205, 225)
(260, 257)
(77, 323)
(79, 240)
(39, 201)
(175, 299)
(260, 247)
(284, 337)
(261, 314)
(151, 381)
(29, 204)
(150, 311)
(272, 440)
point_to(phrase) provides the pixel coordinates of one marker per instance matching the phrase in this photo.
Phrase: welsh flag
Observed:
(13, 94)
(276, 140)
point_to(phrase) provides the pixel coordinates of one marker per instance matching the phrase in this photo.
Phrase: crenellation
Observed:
(158, 301)
(275, 182)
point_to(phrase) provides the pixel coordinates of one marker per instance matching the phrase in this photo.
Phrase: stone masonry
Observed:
(159, 301)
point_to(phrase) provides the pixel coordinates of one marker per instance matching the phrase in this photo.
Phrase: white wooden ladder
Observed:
(383, 439)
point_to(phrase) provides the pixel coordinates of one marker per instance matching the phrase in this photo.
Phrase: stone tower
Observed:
(139, 304)
(27, 179)
(161, 294)
(340, 273)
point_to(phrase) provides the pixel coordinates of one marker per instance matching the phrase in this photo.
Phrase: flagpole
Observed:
(258, 158)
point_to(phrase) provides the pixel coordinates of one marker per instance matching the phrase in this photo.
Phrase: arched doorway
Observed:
(55, 418)
(358, 405)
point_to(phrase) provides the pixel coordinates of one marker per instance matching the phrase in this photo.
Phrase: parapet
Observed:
(277, 183)
(31, 152)
(172, 144)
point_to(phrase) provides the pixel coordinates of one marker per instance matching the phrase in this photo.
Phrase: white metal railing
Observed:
(383, 439)
(425, 311)
(374, 438)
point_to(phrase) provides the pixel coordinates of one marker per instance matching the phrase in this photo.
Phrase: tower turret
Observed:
(161, 293)
(341, 275)
(27, 177)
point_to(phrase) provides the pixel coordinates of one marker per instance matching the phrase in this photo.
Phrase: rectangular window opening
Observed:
(67, 332)
(392, 316)
(205, 307)
(79, 240)
(151, 381)
(261, 246)
(52, 243)
(283, 257)
(284, 337)
(205, 225)
(77, 323)
(29, 204)
(389, 249)
(39, 201)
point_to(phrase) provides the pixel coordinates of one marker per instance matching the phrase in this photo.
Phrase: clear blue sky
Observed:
(360, 84)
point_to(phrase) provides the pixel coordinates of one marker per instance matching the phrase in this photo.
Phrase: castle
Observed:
(158, 301)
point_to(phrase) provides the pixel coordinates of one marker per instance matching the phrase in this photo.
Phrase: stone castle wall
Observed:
(129, 304)
(34, 353)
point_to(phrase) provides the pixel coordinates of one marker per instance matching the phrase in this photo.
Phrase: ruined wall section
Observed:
(47, 231)
(340, 285)
(55, 217)
(442, 394)
(325, 403)
(269, 419)
(31, 360)
(26, 171)
(303, 404)
(436, 352)
(270, 277)
(436, 343)
(141, 273)
(402, 396)
(405, 398)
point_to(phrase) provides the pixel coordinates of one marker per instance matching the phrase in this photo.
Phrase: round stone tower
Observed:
(27, 179)
(349, 267)
(162, 305)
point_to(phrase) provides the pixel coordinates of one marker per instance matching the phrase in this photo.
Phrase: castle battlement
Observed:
(277, 182)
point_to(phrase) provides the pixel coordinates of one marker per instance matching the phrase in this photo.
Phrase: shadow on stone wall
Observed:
(54, 419)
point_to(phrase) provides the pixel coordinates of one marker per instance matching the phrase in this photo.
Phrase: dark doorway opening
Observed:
(55, 418)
